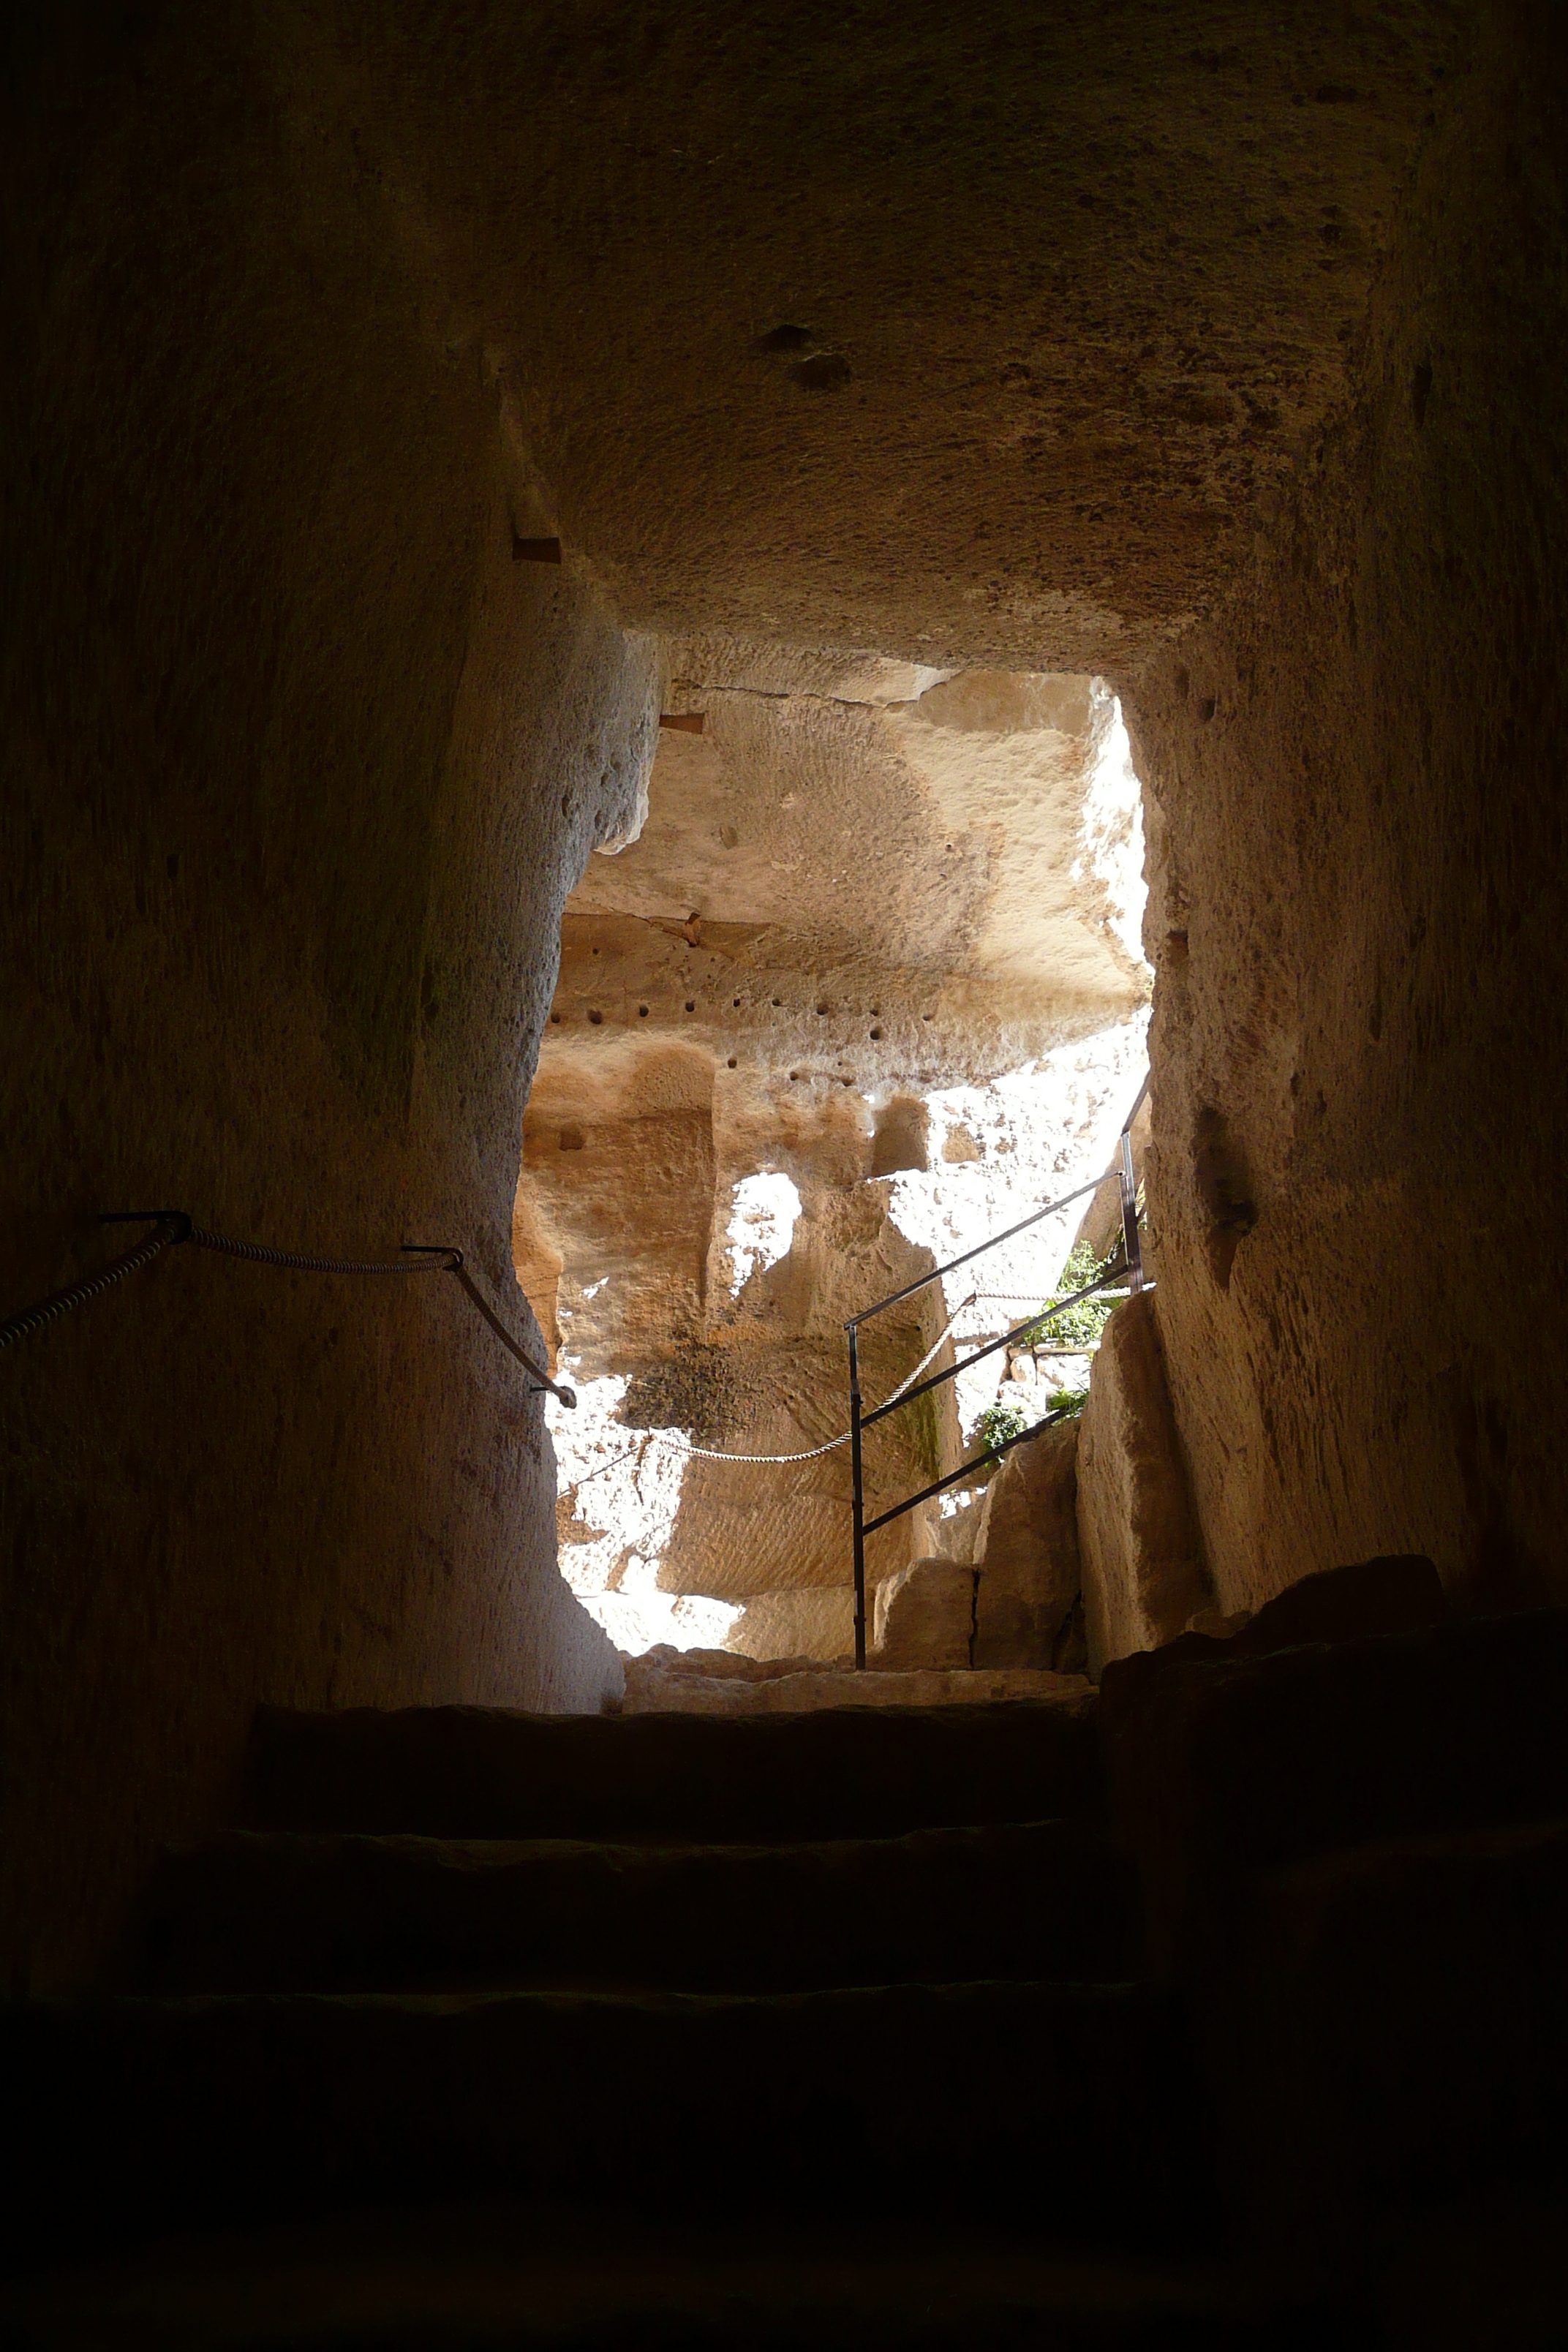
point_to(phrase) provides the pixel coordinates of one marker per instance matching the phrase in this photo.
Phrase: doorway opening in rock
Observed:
(868, 987)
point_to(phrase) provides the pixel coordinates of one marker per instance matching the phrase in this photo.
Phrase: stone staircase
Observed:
(1353, 1856)
(1171, 2020)
(664, 1681)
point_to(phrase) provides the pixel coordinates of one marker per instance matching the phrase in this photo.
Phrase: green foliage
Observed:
(998, 1422)
(1082, 1325)
(1082, 1266)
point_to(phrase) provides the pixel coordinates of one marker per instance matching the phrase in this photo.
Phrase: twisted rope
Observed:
(175, 1228)
(1048, 1300)
(779, 1461)
(257, 1253)
(172, 1228)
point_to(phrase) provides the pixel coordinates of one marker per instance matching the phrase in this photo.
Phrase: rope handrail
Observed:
(647, 1437)
(685, 1445)
(993, 1453)
(902, 1394)
(175, 1228)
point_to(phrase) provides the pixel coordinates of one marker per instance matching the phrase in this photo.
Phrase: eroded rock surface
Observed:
(1228, 366)
(1143, 1572)
(1356, 912)
(1028, 1556)
(925, 1615)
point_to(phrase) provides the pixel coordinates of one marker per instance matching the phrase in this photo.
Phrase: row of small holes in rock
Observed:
(643, 1009)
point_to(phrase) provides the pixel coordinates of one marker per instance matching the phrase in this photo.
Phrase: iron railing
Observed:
(1130, 1270)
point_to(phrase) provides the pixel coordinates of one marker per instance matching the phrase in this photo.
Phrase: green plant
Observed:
(999, 1422)
(1082, 1266)
(1080, 1325)
(1070, 1401)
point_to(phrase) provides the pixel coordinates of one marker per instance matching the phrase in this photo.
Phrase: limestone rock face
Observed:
(1061, 293)
(864, 988)
(816, 1622)
(1143, 1573)
(643, 1669)
(279, 955)
(1358, 1112)
(1028, 1554)
(925, 1615)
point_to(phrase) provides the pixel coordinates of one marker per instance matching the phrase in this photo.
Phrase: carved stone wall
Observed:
(317, 317)
(1357, 869)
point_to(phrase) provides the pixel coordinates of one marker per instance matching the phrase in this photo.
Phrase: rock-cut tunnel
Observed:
(938, 419)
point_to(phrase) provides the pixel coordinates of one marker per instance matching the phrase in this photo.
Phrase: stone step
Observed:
(653, 1688)
(508, 2273)
(1221, 1766)
(254, 1911)
(1070, 2106)
(1400, 2005)
(843, 1772)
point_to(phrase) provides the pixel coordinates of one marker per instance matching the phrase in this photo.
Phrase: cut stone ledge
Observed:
(803, 1686)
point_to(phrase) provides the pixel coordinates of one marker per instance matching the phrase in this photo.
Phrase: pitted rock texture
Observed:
(1357, 866)
(962, 848)
(302, 765)
(1071, 291)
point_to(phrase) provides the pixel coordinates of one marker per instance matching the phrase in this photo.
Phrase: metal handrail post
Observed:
(860, 1500)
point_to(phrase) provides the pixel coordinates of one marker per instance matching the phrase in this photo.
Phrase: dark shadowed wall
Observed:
(1358, 917)
(301, 766)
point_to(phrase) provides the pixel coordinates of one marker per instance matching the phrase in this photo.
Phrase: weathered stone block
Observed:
(816, 1622)
(1220, 1765)
(1399, 1592)
(1028, 1553)
(1143, 1573)
(925, 1615)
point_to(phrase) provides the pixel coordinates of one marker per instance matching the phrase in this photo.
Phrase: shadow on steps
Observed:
(531, 2273)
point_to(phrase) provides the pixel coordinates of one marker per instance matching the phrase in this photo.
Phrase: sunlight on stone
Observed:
(868, 988)
(762, 1225)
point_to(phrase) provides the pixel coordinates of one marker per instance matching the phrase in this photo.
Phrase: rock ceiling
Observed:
(983, 337)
